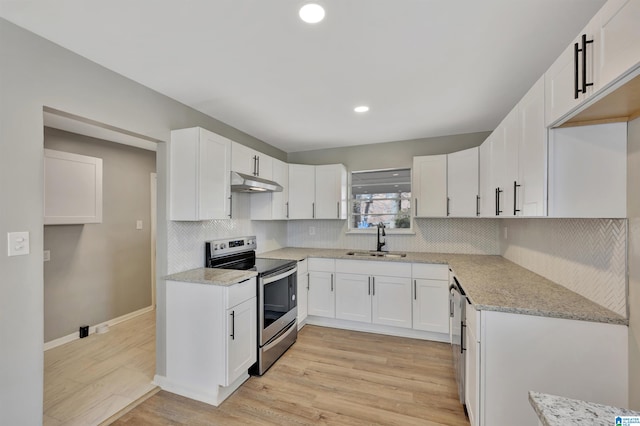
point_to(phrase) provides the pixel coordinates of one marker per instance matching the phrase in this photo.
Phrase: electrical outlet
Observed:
(18, 243)
(138, 224)
(312, 230)
(46, 255)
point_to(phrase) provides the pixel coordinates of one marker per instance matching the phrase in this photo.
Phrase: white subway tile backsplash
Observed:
(448, 235)
(587, 256)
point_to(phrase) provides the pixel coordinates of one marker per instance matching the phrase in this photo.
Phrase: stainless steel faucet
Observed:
(383, 242)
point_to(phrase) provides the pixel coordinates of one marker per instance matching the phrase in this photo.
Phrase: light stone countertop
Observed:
(560, 411)
(491, 283)
(213, 276)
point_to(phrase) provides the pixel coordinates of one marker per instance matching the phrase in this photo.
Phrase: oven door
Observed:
(277, 304)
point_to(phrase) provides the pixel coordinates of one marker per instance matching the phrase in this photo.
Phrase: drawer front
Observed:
(303, 267)
(368, 267)
(322, 265)
(238, 293)
(430, 271)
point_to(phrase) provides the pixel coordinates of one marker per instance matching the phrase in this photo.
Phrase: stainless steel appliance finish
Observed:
(457, 301)
(241, 182)
(277, 298)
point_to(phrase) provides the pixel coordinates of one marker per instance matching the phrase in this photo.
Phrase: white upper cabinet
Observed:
(273, 205)
(72, 188)
(531, 192)
(487, 188)
(251, 162)
(570, 79)
(302, 184)
(317, 192)
(330, 192)
(199, 175)
(513, 161)
(619, 35)
(429, 186)
(462, 183)
(588, 171)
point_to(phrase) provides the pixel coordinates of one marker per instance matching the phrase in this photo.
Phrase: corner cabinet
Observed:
(211, 339)
(199, 175)
(72, 188)
(429, 186)
(430, 297)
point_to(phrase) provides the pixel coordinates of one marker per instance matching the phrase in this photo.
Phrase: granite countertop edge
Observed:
(212, 276)
(498, 285)
(555, 410)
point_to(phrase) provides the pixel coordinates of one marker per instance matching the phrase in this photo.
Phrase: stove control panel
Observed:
(227, 246)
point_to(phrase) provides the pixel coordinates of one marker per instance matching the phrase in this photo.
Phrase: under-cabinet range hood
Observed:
(241, 182)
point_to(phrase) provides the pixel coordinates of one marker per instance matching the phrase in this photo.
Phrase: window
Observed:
(381, 196)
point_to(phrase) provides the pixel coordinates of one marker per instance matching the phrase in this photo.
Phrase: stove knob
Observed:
(222, 246)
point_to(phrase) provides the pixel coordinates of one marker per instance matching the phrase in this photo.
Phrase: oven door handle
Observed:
(266, 279)
(279, 337)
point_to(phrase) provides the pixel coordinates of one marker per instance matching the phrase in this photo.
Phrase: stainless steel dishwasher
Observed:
(457, 301)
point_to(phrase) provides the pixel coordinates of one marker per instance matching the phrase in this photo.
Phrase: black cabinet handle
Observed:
(515, 197)
(258, 169)
(576, 85)
(313, 210)
(416, 213)
(477, 205)
(584, 63)
(498, 192)
(287, 204)
(255, 165)
(415, 290)
(338, 205)
(462, 333)
(230, 206)
(233, 325)
(577, 49)
(448, 203)
(373, 281)
(369, 282)
(331, 282)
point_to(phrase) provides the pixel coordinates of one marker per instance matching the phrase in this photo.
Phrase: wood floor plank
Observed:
(331, 377)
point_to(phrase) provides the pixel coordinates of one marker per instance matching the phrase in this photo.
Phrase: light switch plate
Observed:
(18, 243)
(138, 224)
(46, 255)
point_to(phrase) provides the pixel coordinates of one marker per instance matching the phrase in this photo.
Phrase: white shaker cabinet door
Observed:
(322, 294)
(353, 297)
(302, 184)
(431, 305)
(462, 183)
(429, 186)
(391, 298)
(241, 339)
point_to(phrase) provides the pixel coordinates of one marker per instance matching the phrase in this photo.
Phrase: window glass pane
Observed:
(381, 196)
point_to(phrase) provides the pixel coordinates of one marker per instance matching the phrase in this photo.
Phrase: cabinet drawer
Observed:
(238, 293)
(389, 269)
(322, 265)
(303, 266)
(430, 271)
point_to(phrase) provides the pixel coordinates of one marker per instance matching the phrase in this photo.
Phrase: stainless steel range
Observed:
(277, 287)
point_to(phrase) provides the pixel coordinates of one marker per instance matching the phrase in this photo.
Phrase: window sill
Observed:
(374, 231)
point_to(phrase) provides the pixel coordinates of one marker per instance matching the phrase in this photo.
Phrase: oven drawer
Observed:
(238, 293)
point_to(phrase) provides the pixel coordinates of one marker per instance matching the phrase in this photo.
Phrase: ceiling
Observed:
(425, 67)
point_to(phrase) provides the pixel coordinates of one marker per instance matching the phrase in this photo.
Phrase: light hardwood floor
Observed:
(332, 377)
(91, 379)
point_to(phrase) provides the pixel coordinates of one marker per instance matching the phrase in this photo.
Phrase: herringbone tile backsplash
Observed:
(587, 256)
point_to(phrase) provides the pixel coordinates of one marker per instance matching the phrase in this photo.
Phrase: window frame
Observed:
(373, 229)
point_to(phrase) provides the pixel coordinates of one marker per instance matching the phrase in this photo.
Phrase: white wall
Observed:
(36, 73)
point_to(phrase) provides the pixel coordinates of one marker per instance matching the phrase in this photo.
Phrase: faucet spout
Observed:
(380, 243)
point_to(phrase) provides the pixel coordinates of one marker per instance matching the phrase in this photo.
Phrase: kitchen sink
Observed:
(376, 254)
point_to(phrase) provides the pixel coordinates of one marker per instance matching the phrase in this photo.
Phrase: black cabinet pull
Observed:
(313, 210)
(577, 49)
(233, 325)
(462, 335)
(287, 204)
(477, 205)
(373, 282)
(415, 290)
(338, 203)
(416, 205)
(230, 206)
(448, 203)
(369, 282)
(498, 192)
(258, 169)
(515, 197)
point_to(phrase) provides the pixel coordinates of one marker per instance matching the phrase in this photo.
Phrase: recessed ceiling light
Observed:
(361, 108)
(311, 13)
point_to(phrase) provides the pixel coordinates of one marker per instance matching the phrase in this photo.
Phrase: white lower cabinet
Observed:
(431, 297)
(391, 301)
(303, 290)
(353, 297)
(510, 354)
(321, 296)
(211, 334)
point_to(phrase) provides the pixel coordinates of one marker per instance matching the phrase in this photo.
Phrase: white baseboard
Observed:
(213, 395)
(92, 329)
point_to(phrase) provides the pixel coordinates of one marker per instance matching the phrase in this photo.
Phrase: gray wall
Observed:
(633, 212)
(35, 73)
(390, 154)
(100, 271)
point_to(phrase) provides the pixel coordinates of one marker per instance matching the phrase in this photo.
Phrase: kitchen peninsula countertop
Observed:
(491, 283)
(213, 276)
(560, 411)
